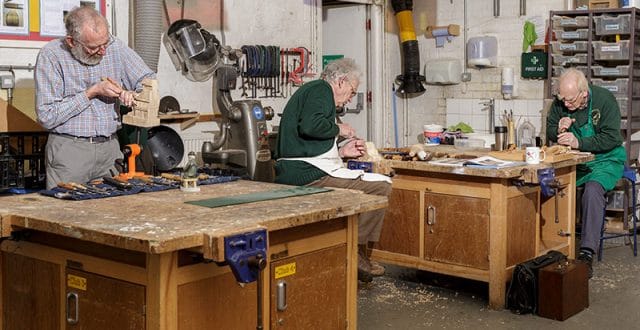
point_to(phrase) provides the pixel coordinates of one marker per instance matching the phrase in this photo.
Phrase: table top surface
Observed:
(161, 222)
(525, 171)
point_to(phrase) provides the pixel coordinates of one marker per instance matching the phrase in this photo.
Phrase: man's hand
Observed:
(104, 88)
(568, 139)
(128, 98)
(346, 131)
(353, 149)
(564, 124)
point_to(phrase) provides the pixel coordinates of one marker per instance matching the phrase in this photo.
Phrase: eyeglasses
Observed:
(95, 49)
(572, 101)
(354, 90)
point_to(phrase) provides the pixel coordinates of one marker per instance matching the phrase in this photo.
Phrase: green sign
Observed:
(328, 58)
(534, 65)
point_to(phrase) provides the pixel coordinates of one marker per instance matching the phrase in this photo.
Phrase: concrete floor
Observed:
(406, 299)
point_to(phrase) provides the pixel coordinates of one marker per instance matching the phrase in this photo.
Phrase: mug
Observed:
(532, 155)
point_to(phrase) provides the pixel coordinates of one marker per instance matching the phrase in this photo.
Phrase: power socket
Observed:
(466, 76)
(7, 82)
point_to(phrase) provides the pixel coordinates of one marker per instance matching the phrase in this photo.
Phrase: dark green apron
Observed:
(607, 167)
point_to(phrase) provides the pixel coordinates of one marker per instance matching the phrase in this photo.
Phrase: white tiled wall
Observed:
(473, 113)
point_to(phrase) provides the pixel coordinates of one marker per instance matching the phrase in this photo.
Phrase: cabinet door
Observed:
(401, 227)
(457, 230)
(30, 293)
(311, 291)
(96, 302)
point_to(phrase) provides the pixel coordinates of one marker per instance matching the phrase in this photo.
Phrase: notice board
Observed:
(38, 20)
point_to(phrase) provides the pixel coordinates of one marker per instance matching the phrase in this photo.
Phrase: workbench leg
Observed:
(571, 212)
(352, 272)
(498, 244)
(162, 291)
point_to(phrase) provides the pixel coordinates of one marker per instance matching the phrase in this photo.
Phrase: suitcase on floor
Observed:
(563, 289)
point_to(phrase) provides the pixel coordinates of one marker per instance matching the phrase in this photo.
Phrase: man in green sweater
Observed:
(587, 118)
(307, 152)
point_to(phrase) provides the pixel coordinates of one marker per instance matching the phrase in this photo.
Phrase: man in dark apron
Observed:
(587, 118)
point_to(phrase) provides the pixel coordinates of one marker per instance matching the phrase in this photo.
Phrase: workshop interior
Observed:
(454, 103)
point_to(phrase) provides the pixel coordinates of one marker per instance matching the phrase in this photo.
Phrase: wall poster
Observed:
(14, 17)
(38, 20)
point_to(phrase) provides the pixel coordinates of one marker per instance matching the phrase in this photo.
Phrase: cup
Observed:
(532, 155)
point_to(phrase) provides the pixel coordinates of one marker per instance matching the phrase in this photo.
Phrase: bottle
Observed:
(501, 138)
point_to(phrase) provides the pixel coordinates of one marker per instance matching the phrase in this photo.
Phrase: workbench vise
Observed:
(246, 254)
(547, 181)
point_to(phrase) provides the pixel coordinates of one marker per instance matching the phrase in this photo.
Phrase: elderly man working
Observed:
(79, 80)
(307, 153)
(587, 118)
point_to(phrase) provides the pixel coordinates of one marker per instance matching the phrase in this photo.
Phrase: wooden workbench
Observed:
(476, 223)
(150, 261)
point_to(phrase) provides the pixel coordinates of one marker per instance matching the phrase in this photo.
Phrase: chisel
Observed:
(117, 183)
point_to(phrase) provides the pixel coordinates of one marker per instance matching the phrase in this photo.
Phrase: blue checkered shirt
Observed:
(61, 80)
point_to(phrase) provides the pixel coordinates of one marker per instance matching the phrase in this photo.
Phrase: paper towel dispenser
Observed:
(482, 52)
(444, 71)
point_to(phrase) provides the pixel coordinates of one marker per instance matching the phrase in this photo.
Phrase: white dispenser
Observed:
(445, 71)
(482, 52)
(507, 83)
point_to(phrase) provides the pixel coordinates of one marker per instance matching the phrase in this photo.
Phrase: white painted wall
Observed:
(450, 104)
(290, 23)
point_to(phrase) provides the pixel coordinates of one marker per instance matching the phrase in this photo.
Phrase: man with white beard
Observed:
(79, 80)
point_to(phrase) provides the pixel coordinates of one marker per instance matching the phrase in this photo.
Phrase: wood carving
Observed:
(144, 112)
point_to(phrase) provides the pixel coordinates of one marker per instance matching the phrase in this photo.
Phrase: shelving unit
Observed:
(604, 45)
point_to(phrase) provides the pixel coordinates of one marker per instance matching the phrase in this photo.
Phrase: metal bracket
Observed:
(246, 254)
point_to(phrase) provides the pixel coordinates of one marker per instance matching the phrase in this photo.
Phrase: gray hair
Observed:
(576, 76)
(82, 16)
(338, 69)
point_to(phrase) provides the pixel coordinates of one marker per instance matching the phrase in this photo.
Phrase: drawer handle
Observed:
(431, 217)
(72, 296)
(281, 296)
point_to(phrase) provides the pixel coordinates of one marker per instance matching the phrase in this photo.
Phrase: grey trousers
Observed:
(369, 223)
(592, 207)
(69, 160)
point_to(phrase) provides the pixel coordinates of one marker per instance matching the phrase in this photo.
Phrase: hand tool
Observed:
(89, 189)
(69, 188)
(130, 152)
(122, 185)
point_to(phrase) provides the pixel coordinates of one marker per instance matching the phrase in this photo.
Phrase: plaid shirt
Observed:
(61, 80)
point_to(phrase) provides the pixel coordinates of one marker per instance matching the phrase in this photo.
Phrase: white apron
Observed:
(331, 163)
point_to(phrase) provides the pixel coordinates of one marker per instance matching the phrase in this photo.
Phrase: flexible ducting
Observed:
(148, 30)
(410, 81)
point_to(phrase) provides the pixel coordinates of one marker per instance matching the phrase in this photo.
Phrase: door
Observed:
(457, 230)
(309, 291)
(30, 293)
(344, 33)
(97, 302)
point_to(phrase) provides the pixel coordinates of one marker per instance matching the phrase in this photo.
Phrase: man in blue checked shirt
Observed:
(79, 80)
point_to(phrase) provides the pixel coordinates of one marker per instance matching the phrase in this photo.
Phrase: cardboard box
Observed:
(603, 4)
(14, 120)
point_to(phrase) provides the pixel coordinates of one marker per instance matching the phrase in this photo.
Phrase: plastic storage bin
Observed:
(569, 47)
(574, 22)
(579, 34)
(568, 59)
(618, 71)
(616, 51)
(609, 25)
(618, 87)
(623, 104)
(558, 69)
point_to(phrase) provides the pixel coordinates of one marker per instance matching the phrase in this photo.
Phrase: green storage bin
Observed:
(534, 65)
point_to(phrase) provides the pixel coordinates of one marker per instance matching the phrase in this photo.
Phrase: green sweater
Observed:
(307, 129)
(606, 121)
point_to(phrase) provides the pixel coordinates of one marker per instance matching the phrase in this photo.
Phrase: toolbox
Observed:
(563, 289)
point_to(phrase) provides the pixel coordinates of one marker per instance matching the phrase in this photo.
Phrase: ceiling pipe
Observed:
(410, 80)
(148, 31)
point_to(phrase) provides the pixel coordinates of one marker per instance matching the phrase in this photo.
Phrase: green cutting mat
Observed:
(259, 196)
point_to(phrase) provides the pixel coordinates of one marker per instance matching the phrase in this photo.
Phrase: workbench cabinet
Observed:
(96, 264)
(474, 226)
